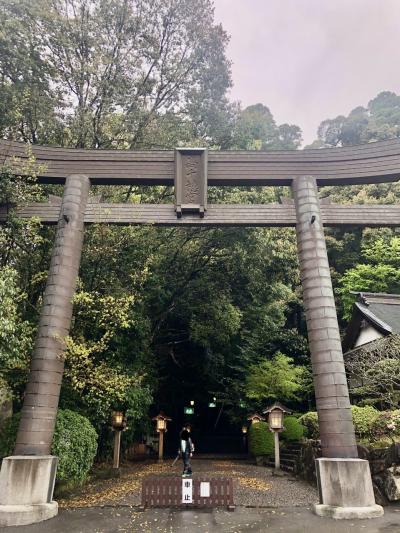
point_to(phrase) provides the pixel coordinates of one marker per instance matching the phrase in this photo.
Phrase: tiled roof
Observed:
(380, 310)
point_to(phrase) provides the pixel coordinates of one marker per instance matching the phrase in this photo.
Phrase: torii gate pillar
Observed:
(27, 478)
(344, 481)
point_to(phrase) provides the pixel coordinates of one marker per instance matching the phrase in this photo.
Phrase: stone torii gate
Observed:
(345, 486)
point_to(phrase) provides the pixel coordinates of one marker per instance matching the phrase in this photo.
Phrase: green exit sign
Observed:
(188, 410)
(212, 404)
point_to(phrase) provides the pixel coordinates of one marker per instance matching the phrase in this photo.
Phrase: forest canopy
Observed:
(161, 315)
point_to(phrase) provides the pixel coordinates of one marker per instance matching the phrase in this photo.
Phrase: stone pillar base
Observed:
(23, 515)
(26, 489)
(350, 513)
(345, 489)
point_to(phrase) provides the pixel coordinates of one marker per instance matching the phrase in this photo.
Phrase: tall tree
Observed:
(256, 129)
(29, 104)
(378, 121)
(112, 67)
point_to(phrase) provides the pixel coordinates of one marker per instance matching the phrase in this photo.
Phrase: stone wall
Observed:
(384, 465)
(305, 463)
(385, 470)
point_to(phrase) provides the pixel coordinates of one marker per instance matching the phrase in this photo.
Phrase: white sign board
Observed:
(204, 489)
(187, 490)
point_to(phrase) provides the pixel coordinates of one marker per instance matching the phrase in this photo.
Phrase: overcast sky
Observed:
(309, 60)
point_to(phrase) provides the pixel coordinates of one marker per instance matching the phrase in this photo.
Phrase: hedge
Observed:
(366, 422)
(363, 420)
(310, 423)
(74, 443)
(261, 439)
(293, 431)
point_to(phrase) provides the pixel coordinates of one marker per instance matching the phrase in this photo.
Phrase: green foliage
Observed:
(91, 373)
(216, 322)
(113, 73)
(310, 422)
(256, 129)
(368, 278)
(8, 435)
(387, 423)
(363, 420)
(5, 393)
(74, 443)
(380, 120)
(15, 333)
(160, 313)
(374, 372)
(261, 439)
(381, 250)
(293, 431)
(275, 379)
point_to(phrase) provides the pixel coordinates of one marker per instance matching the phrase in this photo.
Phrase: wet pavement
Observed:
(264, 503)
(243, 519)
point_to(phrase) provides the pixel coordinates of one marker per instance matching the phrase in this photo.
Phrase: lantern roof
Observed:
(255, 416)
(161, 416)
(276, 405)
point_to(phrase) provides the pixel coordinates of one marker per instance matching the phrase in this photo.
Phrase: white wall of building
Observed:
(367, 334)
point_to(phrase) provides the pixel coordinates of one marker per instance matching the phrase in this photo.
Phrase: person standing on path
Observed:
(186, 449)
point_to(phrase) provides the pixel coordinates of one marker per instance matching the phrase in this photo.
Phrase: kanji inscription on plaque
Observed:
(191, 164)
(187, 490)
(190, 181)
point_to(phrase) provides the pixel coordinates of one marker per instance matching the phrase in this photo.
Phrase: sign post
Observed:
(187, 490)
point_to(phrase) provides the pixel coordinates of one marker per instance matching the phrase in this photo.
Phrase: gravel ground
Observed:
(257, 486)
(254, 485)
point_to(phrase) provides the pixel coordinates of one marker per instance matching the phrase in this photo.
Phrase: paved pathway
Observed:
(264, 503)
(243, 520)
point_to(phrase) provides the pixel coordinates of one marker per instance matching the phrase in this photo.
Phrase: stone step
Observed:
(289, 455)
(292, 445)
(284, 466)
(288, 461)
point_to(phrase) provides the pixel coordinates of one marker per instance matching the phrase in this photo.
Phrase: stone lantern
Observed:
(255, 418)
(118, 421)
(161, 427)
(275, 421)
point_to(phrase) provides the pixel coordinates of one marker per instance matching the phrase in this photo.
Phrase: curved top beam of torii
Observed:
(367, 163)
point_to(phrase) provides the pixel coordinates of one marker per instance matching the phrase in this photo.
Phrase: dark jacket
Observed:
(185, 442)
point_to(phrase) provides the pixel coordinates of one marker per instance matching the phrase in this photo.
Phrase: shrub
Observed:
(74, 443)
(310, 422)
(261, 439)
(363, 420)
(386, 424)
(8, 435)
(293, 431)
